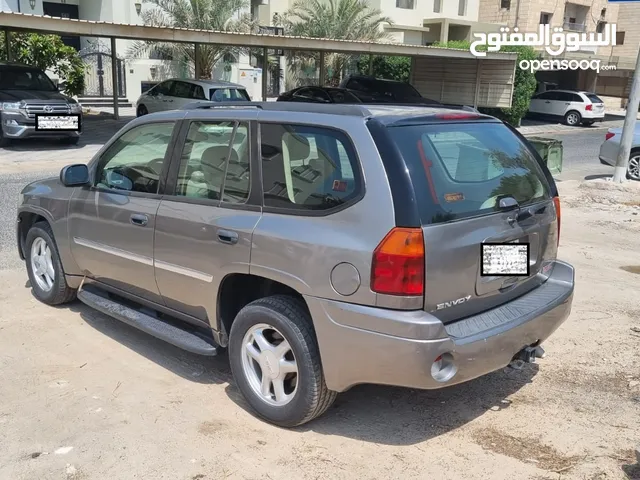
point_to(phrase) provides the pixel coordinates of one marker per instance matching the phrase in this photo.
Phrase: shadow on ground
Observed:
(370, 413)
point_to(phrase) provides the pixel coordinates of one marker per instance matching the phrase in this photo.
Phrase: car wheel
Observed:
(4, 141)
(275, 361)
(44, 267)
(142, 110)
(572, 118)
(633, 168)
(71, 140)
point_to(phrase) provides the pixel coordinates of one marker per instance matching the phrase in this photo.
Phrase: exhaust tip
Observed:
(443, 368)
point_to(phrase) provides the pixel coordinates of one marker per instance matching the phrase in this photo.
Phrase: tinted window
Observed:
(229, 95)
(342, 96)
(204, 162)
(181, 89)
(546, 96)
(563, 97)
(462, 170)
(307, 168)
(576, 98)
(594, 98)
(19, 78)
(134, 161)
(197, 92)
(164, 88)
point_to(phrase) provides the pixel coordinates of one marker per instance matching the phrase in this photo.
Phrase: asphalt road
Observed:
(580, 161)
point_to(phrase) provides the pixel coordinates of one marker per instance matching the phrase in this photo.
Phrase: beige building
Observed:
(579, 16)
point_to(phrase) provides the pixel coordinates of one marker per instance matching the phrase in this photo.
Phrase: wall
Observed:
(9, 5)
(628, 21)
(424, 9)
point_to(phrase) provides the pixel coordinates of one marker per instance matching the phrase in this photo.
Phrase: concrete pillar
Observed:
(265, 76)
(196, 60)
(444, 31)
(7, 42)
(321, 66)
(114, 78)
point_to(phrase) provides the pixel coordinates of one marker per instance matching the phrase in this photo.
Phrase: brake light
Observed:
(609, 136)
(398, 263)
(556, 201)
(589, 108)
(457, 116)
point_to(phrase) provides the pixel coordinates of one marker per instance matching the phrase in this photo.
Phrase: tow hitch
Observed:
(526, 355)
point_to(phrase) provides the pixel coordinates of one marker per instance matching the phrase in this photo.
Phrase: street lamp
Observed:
(32, 4)
(138, 6)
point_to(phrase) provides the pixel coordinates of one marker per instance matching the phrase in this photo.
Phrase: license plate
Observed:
(505, 259)
(58, 123)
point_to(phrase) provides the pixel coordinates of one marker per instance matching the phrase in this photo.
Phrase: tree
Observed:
(523, 88)
(47, 52)
(390, 68)
(195, 14)
(336, 19)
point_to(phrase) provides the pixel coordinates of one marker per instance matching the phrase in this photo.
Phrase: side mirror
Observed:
(75, 175)
(62, 86)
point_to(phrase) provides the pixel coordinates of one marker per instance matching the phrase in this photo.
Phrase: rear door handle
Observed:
(139, 219)
(228, 237)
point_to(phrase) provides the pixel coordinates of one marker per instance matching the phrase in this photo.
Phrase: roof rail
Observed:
(331, 108)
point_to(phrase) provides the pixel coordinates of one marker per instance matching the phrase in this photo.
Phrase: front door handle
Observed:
(228, 237)
(139, 219)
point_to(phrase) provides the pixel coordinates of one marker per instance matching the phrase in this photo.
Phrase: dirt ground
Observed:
(86, 397)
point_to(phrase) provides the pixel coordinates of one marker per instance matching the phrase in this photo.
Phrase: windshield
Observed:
(20, 78)
(229, 95)
(462, 170)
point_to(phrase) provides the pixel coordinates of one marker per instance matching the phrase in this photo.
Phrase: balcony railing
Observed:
(575, 27)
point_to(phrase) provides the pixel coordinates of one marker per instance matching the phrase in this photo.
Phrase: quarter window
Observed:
(133, 163)
(307, 168)
(211, 150)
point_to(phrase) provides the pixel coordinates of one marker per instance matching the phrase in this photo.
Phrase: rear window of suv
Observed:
(594, 98)
(462, 170)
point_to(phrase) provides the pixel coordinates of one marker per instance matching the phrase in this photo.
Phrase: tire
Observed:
(4, 141)
(288, 317)
(58, 291)
(141, 110)
(633, 166)
(573, 118)
(71, 140)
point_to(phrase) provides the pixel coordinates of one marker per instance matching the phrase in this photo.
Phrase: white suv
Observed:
(573, 107)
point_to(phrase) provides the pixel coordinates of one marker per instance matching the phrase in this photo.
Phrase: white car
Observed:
(611, 145)
(574, 108)
(174, 93)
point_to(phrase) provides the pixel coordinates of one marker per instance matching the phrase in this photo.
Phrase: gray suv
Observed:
(324, 246)
(32, 106)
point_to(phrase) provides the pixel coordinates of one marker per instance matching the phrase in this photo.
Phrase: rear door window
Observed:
(594, 98)
(462, 170)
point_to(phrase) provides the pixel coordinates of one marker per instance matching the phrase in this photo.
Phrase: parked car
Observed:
(32, 106)
(175, 93)
(313, 94)
(391, 91)
(324, 246)
(574, 108)
(611, 146)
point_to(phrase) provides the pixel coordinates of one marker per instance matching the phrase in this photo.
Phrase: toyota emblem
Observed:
(48, 108)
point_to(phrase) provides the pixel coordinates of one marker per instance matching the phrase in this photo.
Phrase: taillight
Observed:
(556, 201)
(589, 108)
(398, 263)
(609, 136)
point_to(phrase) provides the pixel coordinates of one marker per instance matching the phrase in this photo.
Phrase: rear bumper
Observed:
(361, 344)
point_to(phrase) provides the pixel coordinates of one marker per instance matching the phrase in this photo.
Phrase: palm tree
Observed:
(336, 19)
(195, 14)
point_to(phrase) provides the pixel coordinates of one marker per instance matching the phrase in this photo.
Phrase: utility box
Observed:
(251, 79)
(550, 150)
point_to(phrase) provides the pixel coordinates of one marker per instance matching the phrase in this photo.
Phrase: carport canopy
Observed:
(443, 74)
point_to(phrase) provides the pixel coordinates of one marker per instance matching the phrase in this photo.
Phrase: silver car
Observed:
(175, 93)
(610, 147)
(324, 246)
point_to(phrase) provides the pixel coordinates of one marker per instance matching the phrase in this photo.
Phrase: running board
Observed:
(181, 338)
